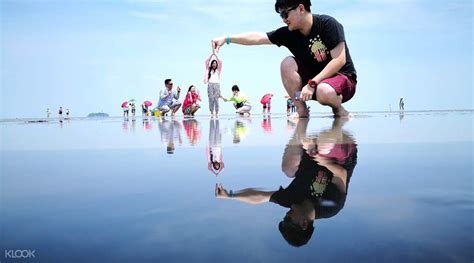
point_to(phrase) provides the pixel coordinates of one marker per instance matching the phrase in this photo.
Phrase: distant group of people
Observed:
(60, 113)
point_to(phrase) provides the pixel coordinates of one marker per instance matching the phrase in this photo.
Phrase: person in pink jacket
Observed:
(190, 103)
(212, 79)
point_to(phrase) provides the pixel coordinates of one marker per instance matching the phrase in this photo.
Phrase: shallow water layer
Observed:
(384, 187)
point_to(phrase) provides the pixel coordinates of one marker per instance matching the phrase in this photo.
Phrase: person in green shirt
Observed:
(241, 104)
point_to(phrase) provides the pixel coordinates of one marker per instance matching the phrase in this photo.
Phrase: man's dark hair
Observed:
(285, 4)
(167, 81)
(294, 234)
(235, 88)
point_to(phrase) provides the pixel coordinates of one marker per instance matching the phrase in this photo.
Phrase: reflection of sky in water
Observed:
(108, 190)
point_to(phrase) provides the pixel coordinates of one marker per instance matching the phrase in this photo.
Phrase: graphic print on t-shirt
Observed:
(319, 184)
(318, 49)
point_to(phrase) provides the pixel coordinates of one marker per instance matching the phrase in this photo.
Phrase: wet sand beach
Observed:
(115, 190)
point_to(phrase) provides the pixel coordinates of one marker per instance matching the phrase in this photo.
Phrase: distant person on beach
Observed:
(213, 79)
(266, 101)
(401, 104)
(67, 113)
(321, 168)
(132, 106)
(169, 99)
(48, 113)
(125, 109)
(190, 103)
(60, 112)
(241, 103)
(215, 164)
(144, 110)
(321, 66)
(290, 106)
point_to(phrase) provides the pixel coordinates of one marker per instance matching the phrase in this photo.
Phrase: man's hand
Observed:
(178, 89)
(216, 44)
(306, 93)
(220, 192)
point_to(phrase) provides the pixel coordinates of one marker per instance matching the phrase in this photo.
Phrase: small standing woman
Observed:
(213, 79)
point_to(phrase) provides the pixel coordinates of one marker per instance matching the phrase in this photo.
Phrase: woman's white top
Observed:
(214, 77)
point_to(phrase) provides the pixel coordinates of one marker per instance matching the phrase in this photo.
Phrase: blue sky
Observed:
(90, 56)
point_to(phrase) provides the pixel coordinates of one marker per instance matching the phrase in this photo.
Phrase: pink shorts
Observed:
(343, 84)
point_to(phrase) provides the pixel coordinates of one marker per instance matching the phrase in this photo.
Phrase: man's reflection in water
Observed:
(321, 166)
(191, 126)
(215, 164)
(170, 130)
(240, 129)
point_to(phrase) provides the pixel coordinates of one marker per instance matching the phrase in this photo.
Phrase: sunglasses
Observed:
(284, 13)
(170, 84)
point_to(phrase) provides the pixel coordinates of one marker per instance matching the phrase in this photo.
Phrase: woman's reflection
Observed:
(321, 167)
(191, 126)
(214, 149)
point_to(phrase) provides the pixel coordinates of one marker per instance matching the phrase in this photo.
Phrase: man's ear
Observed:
(304, 224)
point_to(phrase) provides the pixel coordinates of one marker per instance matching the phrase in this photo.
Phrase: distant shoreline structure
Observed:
(204, 116)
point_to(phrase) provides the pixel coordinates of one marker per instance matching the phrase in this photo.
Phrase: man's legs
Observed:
(164, 109)
(292, 83)
(326, 95)
(244, 109)
(175, 107)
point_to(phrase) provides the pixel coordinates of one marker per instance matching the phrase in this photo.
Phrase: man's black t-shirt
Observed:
(313, 51)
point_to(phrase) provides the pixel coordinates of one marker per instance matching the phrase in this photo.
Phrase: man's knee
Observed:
(288, 66)
(325, 94)
(164, 109)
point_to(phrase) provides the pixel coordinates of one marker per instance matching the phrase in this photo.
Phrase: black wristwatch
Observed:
(312, 84)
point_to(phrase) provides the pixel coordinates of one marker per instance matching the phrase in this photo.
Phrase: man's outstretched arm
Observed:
(248, 39)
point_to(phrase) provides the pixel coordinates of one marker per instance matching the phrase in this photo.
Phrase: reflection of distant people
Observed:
(321, 168)
(170, 131)
(191, 127)
(267, 124)
(169, 99)
(125, 125)
(215, 164)
(147, 124)
(401, 104)
(240, 130)
(241, 103)
(48, 113)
